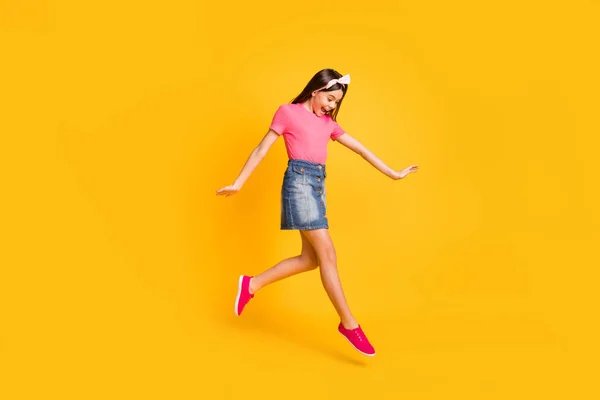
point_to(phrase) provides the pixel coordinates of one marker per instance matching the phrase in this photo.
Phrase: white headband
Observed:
(344, 80)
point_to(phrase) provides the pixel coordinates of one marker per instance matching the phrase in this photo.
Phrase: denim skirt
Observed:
(303, 204)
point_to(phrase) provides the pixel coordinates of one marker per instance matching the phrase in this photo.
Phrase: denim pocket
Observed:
(298, 169)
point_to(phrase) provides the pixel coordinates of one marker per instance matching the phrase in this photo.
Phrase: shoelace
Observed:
(359, 334)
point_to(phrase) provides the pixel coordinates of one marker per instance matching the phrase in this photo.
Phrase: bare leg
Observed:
(306, 261)
(323, 246)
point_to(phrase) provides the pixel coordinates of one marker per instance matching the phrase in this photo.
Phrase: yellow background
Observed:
(473, 278)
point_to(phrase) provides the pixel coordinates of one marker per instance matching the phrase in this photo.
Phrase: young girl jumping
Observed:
(307, 124)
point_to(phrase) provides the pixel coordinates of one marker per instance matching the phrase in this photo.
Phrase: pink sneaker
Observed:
(358, 339)
(243, 294)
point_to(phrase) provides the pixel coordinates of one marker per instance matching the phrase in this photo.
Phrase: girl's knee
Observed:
(329, 256)
(311, 267)
(323, 246)
(309, 263)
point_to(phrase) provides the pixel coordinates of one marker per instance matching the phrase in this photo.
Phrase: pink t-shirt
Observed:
(306, 135)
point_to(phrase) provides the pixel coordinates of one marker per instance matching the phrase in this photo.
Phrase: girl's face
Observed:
(324, 102)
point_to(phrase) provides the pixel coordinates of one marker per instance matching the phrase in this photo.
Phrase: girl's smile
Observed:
(322, 102)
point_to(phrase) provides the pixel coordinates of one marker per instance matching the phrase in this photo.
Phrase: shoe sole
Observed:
(237, 298)
(363, 353)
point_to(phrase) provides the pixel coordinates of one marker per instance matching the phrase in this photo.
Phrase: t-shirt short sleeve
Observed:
(337, 131)
(280, 121)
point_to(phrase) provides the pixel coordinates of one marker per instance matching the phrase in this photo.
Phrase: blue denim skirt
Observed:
(303, 204)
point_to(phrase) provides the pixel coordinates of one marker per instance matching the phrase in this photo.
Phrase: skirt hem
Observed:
(310, 228)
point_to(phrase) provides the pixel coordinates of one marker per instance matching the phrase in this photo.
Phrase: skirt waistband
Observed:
(307, 165)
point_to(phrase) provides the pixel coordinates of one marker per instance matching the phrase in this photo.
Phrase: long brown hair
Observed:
(318, 81)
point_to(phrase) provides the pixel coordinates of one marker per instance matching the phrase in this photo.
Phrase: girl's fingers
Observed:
(226, 192)
(222, 190)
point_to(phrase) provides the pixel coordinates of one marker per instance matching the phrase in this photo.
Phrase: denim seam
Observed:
(305, 192)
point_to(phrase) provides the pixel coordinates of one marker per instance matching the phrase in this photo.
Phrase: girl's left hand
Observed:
(401, 174)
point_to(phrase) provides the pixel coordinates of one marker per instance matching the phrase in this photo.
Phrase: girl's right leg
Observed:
(306, 261)
(247, 285)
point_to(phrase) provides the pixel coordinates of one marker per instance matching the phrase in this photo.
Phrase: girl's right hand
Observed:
(228, 190)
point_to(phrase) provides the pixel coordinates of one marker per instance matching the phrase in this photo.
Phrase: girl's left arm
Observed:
(354, 145)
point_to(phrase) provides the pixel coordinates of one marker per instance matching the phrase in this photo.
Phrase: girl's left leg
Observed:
(348, 326)
(323, 245)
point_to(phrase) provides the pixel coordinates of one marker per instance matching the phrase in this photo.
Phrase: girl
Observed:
(307, 124)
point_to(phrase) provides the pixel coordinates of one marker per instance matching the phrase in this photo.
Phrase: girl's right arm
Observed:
(254, 159)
